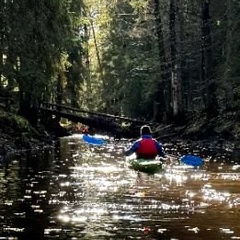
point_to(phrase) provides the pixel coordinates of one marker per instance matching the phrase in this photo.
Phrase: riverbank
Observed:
(16, 134)
(221, 128)
(221, 134)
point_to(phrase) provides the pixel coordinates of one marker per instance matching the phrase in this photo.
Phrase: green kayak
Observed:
(149, 166)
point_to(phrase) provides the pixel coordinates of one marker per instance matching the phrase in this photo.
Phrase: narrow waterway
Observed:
(78, 191)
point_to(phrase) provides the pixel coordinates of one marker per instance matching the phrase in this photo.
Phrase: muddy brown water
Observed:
(78, 191)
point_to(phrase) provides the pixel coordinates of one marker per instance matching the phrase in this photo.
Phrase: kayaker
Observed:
(85, 131)
(146, 147)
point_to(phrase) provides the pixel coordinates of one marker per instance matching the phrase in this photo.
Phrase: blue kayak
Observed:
(93, 140)
(150, 166)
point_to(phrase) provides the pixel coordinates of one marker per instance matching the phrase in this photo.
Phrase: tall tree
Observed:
(35, 36)
(77, 54)
(162, 94)
(175, 64)
(207, 67)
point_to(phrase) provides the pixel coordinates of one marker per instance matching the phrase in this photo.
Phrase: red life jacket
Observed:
(147, 149)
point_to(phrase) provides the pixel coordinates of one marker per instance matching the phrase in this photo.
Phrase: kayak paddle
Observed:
(191, 160)
(188, 159)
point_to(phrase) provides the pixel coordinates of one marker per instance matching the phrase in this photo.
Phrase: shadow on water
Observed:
(79, 191)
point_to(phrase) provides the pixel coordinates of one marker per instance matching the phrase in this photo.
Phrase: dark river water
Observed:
(77, 191)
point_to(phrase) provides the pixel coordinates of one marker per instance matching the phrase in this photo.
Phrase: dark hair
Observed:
(145, 130)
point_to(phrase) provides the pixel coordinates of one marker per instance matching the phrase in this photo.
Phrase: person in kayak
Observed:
(146, 147)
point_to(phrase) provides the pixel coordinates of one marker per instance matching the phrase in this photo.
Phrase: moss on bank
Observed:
(17, 134)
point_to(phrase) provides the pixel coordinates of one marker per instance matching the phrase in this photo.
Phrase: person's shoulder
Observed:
(138, 140)
(155, 140)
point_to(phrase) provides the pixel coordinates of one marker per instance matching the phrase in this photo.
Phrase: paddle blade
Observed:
(191, 160)
(92, 140)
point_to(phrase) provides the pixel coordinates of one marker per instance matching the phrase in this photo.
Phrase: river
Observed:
(78, 191)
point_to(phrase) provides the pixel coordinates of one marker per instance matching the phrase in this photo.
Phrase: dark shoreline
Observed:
(225, 134)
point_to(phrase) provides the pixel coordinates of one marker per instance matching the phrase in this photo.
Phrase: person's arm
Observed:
(132, 149)
(160, 149)
(162, 154)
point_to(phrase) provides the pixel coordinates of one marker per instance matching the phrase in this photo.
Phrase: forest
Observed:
(168, 61)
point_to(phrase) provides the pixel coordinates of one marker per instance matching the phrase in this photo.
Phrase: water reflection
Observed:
(77, 191)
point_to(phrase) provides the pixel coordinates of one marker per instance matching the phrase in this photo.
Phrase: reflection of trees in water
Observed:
(26, 187)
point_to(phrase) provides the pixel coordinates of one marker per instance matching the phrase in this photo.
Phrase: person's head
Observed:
(145, 130)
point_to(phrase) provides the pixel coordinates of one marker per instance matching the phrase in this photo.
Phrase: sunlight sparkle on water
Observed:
(236, 167)
(229, 176)
(200, 176)
(226, 230)
(8, 202)
(190, 194)
(195, 229)
(67, 214)
(213, 195)
(129, 218)
(179, 179)
(65, 184)
(75, 218)
(101, 168)
(161, 230)
(48, 231)
(91, 210)
(64, 218)
(12, 229)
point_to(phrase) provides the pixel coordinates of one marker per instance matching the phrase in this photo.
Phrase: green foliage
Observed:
(108, 56)
(36, 40)
(127, 60)
(14, 123)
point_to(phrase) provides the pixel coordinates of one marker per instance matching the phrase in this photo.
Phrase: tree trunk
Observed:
(175, 60)
(209, 90)
(28, 106)
(97, 50)
(227, 82)
(162, 103)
